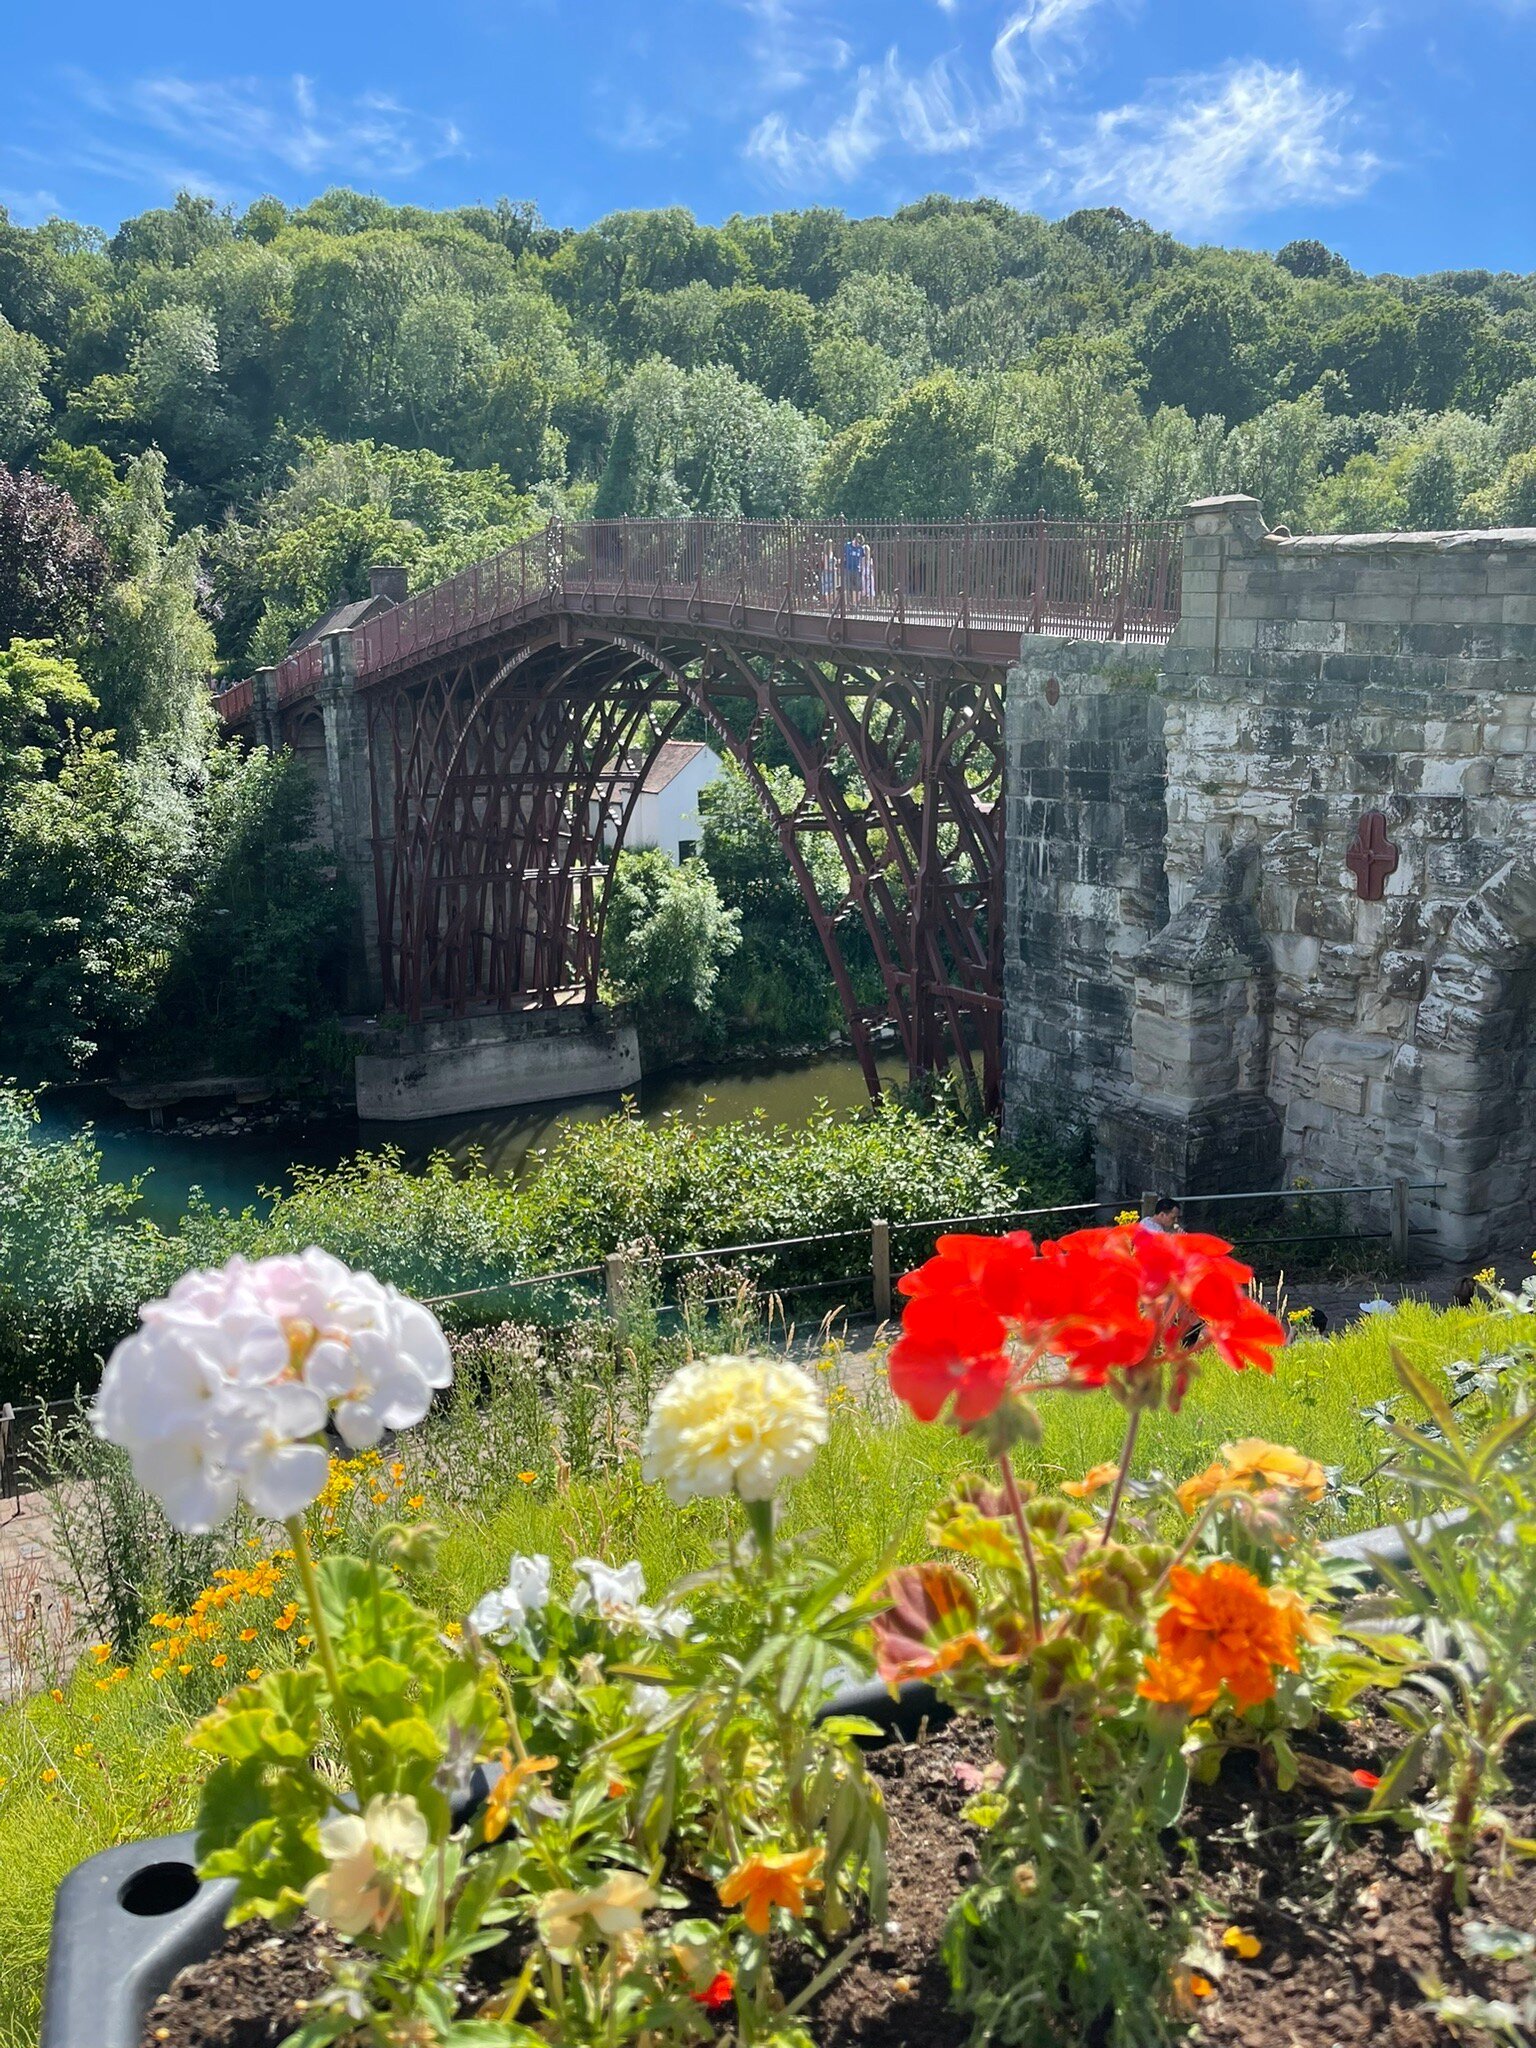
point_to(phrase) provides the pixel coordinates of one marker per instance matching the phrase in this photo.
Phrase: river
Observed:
(233, 1166)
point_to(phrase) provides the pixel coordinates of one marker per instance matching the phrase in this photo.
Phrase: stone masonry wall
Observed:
(1277, 1021)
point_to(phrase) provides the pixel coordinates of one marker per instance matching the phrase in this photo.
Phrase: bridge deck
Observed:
(966, 590)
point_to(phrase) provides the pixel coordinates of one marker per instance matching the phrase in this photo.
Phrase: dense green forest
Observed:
(211, 423)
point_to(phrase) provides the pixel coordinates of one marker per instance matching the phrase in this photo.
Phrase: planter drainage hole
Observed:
(158, 1888)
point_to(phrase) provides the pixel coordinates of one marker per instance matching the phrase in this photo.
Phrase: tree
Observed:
(1273, 457)
(52, 563)
(1310, 259)
(775, 988)
(665, 939)
(853, 379)
(927, 458)
(1374, 350)
(1205, 344)
(24, 410)
(40, 693)
(767, 338)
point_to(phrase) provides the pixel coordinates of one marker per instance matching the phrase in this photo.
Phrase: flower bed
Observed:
(1179, 1787)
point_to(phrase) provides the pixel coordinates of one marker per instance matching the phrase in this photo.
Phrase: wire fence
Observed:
(867, 1255)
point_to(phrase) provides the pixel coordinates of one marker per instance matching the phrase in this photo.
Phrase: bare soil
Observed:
(1347, 1939)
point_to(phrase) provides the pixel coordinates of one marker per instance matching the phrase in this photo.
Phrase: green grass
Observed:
(864, 1500)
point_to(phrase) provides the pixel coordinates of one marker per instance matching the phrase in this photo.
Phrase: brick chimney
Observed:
(387, 579)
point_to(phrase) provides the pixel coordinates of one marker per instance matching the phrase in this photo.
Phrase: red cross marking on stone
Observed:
(1372, 857)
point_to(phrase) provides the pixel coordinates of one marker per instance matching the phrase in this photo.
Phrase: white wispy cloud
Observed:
(217, 131)
(1202, 150)
(27, 208)
(792, 42)
(937, 109)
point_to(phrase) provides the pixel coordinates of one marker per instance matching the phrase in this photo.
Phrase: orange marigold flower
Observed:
(1221, 1627)
(773, 1878)
(1093, 1481)
(1254, 1466)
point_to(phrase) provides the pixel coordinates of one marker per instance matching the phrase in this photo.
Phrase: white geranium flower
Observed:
(229, 1378)
(374, 1857)
(500, 1614)
(733, 1425)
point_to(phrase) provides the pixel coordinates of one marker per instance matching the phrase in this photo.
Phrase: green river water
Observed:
(232, 1167)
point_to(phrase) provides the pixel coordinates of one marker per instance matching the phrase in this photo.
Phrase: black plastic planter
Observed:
(127, 1920)
(124, 1923)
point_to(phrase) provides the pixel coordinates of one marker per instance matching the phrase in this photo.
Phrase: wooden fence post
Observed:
(1400, 1221)
(616, 1273)
(880, 1267)
(1148, 1197)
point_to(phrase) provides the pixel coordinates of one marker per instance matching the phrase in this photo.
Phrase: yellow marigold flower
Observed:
(1254, 1466)
(1093, 1481)
(772, 1878)
(733, 1425)
(1221, 1627)
(502, 1800)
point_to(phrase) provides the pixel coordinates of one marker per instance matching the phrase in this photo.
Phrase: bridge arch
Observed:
(495, 782)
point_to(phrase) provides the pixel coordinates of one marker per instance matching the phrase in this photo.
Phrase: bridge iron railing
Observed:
(1115, 579)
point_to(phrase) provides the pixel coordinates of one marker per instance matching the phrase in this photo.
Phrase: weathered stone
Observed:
(1228, 1020)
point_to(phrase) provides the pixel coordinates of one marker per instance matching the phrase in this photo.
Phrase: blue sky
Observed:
(1400, 131)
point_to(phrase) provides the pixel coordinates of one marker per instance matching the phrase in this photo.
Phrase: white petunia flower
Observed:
(651, 1704)
(618, 1594)
(733, 1425)
(500, 1614)
(229, 1379)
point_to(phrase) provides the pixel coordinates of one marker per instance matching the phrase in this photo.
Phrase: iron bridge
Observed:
(511, 714)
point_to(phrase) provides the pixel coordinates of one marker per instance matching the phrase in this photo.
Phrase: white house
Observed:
(666, 812)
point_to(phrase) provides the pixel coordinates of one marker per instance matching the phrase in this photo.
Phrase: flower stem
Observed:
(1026, 1541)
(1127, 1450)
(325, 1649)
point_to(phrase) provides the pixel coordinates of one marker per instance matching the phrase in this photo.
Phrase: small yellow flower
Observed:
(101, 1652)
(185, 1670)
(1125, 1217)
(50, 1776)
(454, 1629)
(415, 1502)
(1242, 1943)
(1488, 1277)
(284, 1621)
(254, 1673)
(57, 1696)
(219, 1661)
(526, 1478)
(83, 1749)
(247, 1635)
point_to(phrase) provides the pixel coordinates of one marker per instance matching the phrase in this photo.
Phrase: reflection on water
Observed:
(234, 1166)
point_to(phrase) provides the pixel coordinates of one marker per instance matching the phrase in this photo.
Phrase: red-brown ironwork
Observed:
(512, 714)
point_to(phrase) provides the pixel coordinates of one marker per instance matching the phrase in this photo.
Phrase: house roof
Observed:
(341, 618)
(672, 757)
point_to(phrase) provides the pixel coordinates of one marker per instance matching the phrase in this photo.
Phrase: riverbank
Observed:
(240, 1156)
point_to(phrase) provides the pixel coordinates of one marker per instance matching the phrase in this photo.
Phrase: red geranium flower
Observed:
(718, 1991)
(984, 1310)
